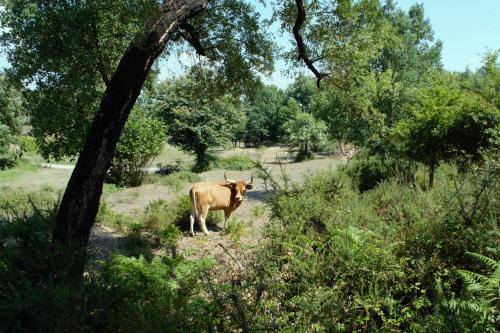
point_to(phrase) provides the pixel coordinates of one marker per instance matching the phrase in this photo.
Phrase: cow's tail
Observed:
(193, 203)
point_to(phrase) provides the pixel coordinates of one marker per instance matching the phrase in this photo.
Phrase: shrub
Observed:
(333, 259)
(477, 309)
(132, 295)
(235, 231)
(175, 180)
(30, 298)
(368, 170)
(112, 219)
(142, 140)
(304, 132)
(237, 163)
(162, 218)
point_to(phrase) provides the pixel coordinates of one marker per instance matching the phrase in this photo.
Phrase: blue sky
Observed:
(467, 29)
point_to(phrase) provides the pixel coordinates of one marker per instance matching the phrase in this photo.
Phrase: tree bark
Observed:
(80, 203)
(200, 155)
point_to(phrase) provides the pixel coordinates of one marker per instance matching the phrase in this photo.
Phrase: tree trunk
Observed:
(80, 203)
(200, 156)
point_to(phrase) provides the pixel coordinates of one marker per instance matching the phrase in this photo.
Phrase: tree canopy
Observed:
(12, 114)
(195, 122)
(68, 51)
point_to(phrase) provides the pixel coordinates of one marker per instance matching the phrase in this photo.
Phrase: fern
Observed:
(480, 310)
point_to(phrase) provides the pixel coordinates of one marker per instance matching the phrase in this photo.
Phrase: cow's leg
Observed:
(192, 215)
(191, 225)
(227, 214)
(203, 217)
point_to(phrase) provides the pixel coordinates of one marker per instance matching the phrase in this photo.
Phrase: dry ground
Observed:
(252, 213)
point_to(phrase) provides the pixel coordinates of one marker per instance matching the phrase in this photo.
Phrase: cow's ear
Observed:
(249, 186)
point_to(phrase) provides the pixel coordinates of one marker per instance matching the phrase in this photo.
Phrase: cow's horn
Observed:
(248, 182)
(229, 180)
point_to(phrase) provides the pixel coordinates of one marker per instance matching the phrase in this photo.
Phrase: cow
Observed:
(209, 196)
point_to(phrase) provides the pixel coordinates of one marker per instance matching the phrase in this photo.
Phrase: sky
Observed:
(468, 29)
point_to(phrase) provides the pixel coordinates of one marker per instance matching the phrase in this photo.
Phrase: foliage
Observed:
(263, 114)
(195, 122)
(236, 163)
(12, 114)
(485, 80)
(161, 219)
(375, 56)
(125, 294)
(331, 258)
(70, 77)
(368, 170)
(477, 310)
(30, 300)
(132, 295)
(303, 132)
(175, 180)
(141, 141)
(235, 230)
(446, 124)
(302, 90)
(366, 260)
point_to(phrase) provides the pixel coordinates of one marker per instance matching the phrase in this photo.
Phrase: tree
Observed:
(371, 62)
(447, 123)
(302, 90)
(43, 47)
(195, 122)
(286, 112)
(262, 109)
(303, 131)
(486, 80)
(12, 114)
(142, 139)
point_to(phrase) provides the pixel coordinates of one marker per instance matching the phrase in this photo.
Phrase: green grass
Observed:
(22, 168)
(176, 180)
(170, 155)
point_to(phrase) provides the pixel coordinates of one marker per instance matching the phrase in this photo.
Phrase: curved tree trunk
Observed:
(80, 203)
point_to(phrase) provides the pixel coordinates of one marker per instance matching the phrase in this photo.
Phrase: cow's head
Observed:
(239, 187)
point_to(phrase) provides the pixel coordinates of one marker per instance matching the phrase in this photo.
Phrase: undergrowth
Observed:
(398, 257)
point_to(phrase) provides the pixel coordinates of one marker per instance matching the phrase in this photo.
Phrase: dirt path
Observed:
(252, 213)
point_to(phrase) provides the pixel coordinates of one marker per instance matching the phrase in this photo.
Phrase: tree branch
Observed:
(191, 35)
(100, 64)
(301, 46)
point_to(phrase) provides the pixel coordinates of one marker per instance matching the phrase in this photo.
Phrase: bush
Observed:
(132, 295)
(236, 163)
(331, 259)
(337, 260)
(304, 132)
(175, 180)
(368, 170)
(142, 140)
(161, 219)
(30, 299)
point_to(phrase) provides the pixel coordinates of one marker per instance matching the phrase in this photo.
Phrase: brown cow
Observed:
(207, 196)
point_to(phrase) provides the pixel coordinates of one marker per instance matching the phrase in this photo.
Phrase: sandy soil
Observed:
(252, 213)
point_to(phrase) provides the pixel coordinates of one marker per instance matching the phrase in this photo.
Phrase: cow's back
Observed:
(214, 195)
